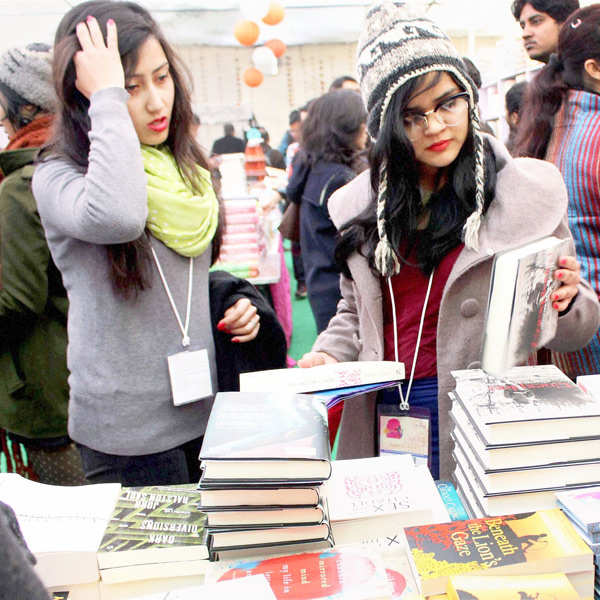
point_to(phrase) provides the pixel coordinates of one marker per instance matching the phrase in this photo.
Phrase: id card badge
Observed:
(190, 376)
(405, 432)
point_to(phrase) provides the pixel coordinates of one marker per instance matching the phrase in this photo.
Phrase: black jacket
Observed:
(267, 351)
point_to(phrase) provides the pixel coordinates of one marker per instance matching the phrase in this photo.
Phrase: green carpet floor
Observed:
(305, 331)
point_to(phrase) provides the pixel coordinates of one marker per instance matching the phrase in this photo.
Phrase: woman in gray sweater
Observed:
(130, 215)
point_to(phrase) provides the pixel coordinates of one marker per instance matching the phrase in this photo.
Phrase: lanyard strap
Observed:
(404, 405)
(185, 340)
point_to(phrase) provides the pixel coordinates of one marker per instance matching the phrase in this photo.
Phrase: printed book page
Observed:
(59, 518)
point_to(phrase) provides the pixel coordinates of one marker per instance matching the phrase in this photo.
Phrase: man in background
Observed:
(541, 21)
(293, 133)
(228, 144)
(345, 82)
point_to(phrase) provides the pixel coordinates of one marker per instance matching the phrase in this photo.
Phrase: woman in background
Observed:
(560, 122)
(34, 393)
(334, 135)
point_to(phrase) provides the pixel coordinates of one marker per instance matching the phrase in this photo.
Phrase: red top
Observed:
(410, 288)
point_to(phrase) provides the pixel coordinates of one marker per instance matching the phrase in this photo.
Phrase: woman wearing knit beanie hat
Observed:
(34, 393)
(419, 231)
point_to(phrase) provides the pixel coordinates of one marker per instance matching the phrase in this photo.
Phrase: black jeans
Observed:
(175, 466)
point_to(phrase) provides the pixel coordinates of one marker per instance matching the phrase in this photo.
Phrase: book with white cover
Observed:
(62, 525)
(520, 318)
(322, 377)
(374, 496)
(530, 404)
(519, 455)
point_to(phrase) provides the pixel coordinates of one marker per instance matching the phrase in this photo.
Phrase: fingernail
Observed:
(555, 305)
(555, 297)
(89, 18)
(563, 261)
(235, 340)
(221, 326)
(110, 22)
(559, 275)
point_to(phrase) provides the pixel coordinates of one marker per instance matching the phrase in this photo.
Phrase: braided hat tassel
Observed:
(386, 260)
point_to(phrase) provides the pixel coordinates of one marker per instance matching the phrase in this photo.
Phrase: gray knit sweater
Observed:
(120, 400)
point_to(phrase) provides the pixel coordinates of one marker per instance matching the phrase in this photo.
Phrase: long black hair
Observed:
(129, 262)
(578, 41)
(332, 126)
(449, 207)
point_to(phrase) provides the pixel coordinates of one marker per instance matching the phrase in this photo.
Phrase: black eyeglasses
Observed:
(448, 112)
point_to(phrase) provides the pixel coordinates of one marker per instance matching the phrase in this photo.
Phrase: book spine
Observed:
(451, 500)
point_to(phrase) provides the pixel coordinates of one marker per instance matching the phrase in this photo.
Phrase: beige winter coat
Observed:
(530, 202)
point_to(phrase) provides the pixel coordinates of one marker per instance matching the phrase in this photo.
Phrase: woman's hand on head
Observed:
(568, 273)
(314, 359)
(241, 320)
(97, 64)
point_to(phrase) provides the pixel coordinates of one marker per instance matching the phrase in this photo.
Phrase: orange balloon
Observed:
(253, 77)
(275, 14)
(246, 32)
(277, 47)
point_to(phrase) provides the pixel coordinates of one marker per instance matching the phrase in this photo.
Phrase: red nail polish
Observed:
(221, 326)
(555, 305)
(559, 275)
(89, 18)
(110, 22)
(555, 297)
(563, 261)
(235, 340)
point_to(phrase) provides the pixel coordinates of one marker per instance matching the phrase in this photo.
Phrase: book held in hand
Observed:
(520, 318)
(265, 438)
(529, 404)
(322, 377)
(154, 524)
(518, 544)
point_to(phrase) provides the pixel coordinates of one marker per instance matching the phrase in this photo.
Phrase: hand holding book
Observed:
(314, 359)
(568, 274)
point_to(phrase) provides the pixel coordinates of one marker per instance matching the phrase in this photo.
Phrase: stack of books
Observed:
(263, 460)
(526, 544)
(521, 438)
(582, 507)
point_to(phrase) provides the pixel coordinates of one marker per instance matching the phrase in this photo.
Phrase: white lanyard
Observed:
(404, 401)
(185, 341)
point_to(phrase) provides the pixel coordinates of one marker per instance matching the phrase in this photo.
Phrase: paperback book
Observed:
(62, 525)
(531, 404)
(520, 319)
(265, 517)
(583, 507)
(154, 524)
(375, 496)
(349, 572)
(510, 587)
(322, 377)
(518, 544)
(255, 438)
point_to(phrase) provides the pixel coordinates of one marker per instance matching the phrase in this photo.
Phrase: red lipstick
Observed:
(439, 146)
(158, 125)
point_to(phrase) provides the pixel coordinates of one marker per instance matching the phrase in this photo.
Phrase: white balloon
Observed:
(254, 10)
(264, 60)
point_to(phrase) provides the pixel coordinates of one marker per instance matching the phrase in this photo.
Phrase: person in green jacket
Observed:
(33, 302)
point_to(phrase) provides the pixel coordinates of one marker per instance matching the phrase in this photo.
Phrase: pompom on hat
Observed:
(28, 71)
(397, 45)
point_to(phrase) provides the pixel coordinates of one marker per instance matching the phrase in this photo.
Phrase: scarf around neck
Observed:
(182, 218)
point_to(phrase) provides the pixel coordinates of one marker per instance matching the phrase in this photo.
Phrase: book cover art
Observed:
(541, 392)
(520, 318)
(153, 518)
(367, 487)
(551, 586)
(252, 425)
(400, 576)
(545, 538)
(584, 506)
(316, 575)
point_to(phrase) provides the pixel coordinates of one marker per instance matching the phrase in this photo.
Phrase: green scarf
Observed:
(182, 219)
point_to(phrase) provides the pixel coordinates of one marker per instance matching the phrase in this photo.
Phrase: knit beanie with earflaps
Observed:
(397, 45)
